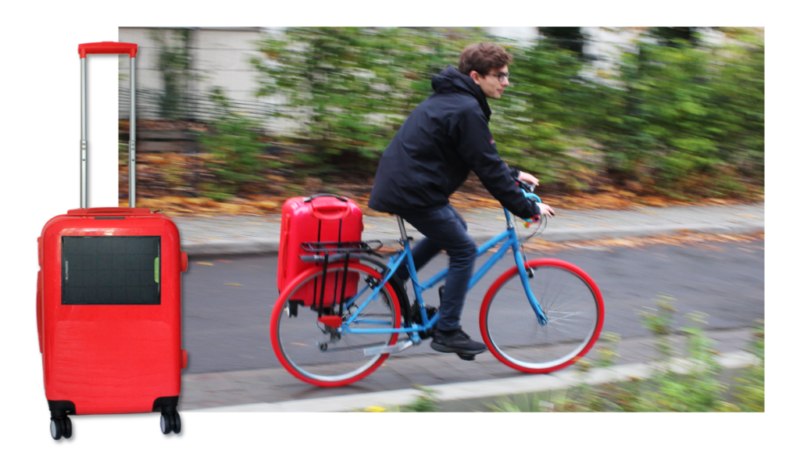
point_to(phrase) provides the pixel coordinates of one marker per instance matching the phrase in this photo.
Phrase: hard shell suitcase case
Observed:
(109, 300)
(319, 218)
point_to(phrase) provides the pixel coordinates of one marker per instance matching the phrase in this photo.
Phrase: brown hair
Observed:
(482, 58)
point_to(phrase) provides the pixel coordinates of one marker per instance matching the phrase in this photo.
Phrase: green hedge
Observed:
(683, 120)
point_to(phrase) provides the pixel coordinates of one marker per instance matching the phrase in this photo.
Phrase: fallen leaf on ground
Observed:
(203, 263)
(233, 284)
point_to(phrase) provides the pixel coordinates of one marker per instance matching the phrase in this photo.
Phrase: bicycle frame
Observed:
(507, 240)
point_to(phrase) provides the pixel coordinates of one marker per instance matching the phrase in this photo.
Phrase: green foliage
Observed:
(686, 119)
(700, 389)
(750, 389)
(697, 387)
(682, 120)
(351, 88)
(660, 322)
(425, 402)
(568, 38)
(235, 150)
(538, 121)
(536, 402)
(173, 65)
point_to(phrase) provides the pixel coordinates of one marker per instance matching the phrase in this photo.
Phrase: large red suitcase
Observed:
(109, 301)
(319, 218)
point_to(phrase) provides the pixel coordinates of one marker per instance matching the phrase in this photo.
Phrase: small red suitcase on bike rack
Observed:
(320, 218)
(109, 300)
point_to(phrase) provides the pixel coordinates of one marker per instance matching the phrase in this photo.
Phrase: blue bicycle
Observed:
(337, 322)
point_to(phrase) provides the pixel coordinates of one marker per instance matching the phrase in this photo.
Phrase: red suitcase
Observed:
(109, 301)
(319, 218)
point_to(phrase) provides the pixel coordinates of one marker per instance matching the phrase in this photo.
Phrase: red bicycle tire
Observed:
(278, 310)
(544, 262)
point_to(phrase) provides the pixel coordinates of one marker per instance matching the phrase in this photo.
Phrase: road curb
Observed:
(486, 390)
(270, 246)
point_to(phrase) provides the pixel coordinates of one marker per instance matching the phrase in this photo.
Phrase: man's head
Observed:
(487, 64)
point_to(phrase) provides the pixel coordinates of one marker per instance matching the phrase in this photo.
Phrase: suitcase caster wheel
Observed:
(466, 357)
(176, 423)
(67, 428)
(170, 423)
(166, 423)
(60, 427)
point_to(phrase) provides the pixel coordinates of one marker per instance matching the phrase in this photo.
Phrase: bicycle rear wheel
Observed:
(571, 302)
(321, 355)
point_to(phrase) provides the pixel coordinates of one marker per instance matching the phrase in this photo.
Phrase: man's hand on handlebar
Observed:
(546, 210)
(528, 178)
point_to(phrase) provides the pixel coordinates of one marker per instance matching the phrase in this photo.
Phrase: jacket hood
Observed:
(451, 80)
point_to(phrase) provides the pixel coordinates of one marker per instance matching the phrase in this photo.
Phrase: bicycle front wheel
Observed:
(321, 354)
(571, 302)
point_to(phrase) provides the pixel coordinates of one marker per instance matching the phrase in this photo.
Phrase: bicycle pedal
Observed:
(466, 357)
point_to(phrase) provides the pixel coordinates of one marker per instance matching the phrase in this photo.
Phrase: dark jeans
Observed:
(445, 229)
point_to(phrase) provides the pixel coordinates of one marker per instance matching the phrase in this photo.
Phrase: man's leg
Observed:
(445, 229)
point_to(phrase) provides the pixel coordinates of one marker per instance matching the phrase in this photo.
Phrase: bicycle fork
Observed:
(526, 277)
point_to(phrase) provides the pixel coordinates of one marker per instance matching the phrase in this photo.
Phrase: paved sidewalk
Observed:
(277, 390)
(260, 234)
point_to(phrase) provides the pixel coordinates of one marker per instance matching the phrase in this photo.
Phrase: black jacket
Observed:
(443, 139)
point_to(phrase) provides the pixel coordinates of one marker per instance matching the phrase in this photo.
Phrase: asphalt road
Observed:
(227, 304)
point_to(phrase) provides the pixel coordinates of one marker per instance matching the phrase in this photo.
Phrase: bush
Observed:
(686, 120)
(236, 153)
(678, 120)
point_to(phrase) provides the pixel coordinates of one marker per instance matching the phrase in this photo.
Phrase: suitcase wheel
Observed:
(170, 422)
(60, 427)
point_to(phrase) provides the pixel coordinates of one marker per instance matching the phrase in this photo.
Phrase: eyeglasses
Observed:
(500, 76)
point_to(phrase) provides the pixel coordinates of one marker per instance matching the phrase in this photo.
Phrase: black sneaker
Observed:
(456, 341)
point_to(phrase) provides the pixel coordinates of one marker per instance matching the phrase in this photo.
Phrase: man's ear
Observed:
(475, 76)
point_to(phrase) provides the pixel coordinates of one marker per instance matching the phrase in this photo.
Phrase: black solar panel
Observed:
(110, 270)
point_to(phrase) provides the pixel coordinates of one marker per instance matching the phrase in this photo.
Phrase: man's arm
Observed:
(475, 145)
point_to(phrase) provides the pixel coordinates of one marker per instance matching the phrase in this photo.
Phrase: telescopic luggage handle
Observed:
(109, 48)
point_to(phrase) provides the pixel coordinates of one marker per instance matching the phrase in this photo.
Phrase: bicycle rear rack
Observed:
(326, 253)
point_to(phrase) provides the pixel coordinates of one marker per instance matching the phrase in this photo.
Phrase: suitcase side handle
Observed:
(107, 48)
(110, 211)
(308, 199)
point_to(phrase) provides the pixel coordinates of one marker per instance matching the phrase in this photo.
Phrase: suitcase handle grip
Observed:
(308, 199)
(330, 212)
(107, 48)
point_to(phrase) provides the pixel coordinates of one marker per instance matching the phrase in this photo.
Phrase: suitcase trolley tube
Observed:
(108, 301)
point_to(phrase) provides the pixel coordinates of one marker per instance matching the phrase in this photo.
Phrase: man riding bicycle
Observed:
(430, 157)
